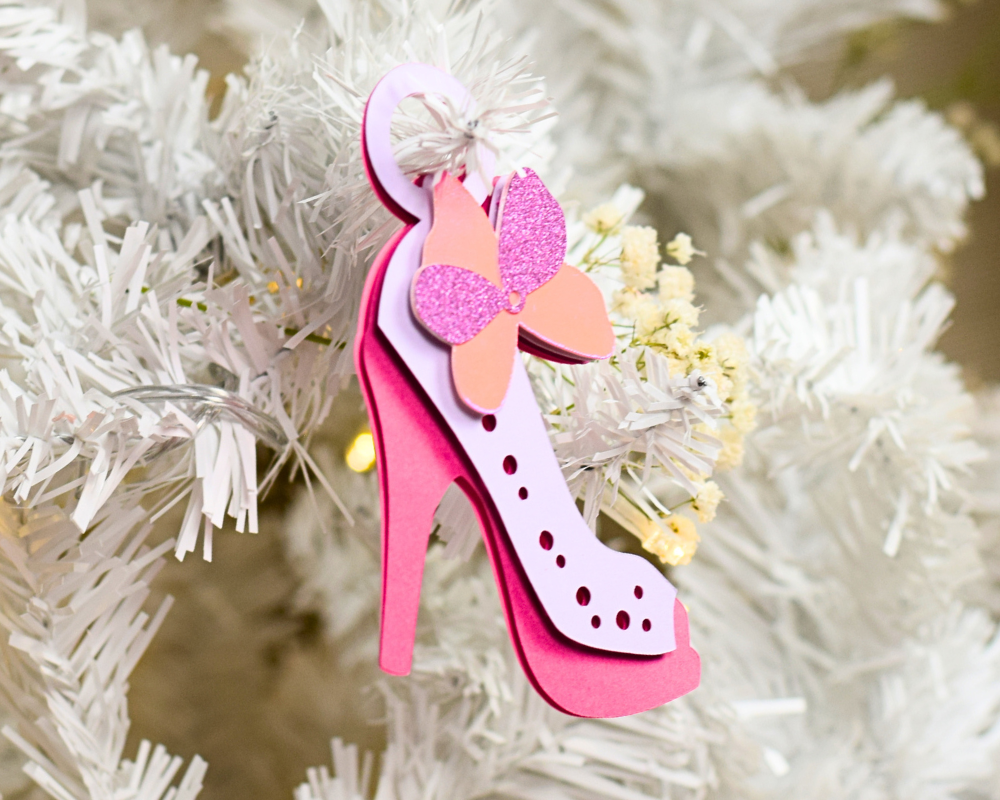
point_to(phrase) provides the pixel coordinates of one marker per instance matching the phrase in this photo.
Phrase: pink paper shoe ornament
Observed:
(446, 304)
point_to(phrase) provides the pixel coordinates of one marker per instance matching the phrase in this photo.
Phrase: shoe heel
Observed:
(416, 464)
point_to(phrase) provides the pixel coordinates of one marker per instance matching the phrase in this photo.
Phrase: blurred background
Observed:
(240, 672)
(954, 66)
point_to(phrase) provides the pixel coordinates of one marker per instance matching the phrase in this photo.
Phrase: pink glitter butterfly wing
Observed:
(532, 233)
(454, 303)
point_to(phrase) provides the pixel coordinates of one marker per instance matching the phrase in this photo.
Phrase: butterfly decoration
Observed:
(486, 291)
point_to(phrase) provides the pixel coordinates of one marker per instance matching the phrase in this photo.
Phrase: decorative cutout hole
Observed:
(622, 620)
(638, 593)
(595, 621)
(490, 423)
(560, 561)
(522, 493)
(545, 540)
(646, 625)
(510, 465)
(583, 595)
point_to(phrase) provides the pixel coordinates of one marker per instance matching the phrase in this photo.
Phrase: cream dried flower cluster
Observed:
(666, 320)
(671, 404)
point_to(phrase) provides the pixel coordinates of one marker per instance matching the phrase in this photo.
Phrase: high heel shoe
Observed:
(598, 633)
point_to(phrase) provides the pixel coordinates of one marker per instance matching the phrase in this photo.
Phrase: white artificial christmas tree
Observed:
(176, 289)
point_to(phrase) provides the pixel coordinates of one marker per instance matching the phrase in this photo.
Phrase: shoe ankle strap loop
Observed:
(398, 193)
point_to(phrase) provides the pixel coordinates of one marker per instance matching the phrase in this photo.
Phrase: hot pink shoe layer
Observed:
(418, 457)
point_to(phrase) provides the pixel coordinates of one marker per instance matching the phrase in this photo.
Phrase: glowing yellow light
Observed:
(272, 287)
(360, 455)
(298, 282)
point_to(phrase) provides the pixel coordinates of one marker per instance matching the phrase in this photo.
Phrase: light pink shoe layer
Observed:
(599, 633)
